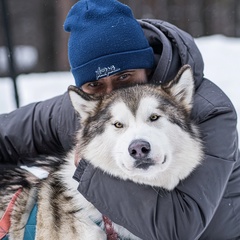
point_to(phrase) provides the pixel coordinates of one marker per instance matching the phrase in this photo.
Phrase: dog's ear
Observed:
(82, 102)
(182, 87)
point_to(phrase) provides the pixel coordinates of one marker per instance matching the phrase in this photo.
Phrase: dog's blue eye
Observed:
(154, 117)
(118, 125)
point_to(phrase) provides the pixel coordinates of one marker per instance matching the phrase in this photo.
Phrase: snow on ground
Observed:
(221, 56)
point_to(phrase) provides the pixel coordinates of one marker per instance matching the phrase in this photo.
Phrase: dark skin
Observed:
(119, 80)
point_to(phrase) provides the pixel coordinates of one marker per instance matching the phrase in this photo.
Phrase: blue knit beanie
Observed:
(105, 39)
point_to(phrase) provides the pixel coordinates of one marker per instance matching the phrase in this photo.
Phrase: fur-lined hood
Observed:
(179, 49)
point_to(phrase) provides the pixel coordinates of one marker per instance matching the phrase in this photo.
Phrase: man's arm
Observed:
(42, 128)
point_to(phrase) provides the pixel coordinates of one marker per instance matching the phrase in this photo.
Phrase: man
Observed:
(108, 50)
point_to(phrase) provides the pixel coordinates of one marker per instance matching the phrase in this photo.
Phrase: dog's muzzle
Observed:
(139, 150)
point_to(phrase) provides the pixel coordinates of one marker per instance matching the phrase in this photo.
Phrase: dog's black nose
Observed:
(139, 149)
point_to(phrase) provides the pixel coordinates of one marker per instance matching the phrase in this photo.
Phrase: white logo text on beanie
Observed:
(106, 71)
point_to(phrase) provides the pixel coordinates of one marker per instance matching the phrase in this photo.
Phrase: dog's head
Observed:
(143, 133)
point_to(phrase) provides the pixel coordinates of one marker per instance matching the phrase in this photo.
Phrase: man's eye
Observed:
(124, 76)
(94, 84)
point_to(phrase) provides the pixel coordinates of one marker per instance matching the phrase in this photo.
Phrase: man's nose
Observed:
(109, 88)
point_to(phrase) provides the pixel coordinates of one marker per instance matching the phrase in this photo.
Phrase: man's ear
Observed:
(83, 103)
(182, 87)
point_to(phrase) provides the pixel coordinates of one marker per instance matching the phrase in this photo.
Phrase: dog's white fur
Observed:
(173, 161)
(174, 154)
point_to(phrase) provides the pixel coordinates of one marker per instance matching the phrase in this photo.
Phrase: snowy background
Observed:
(222, 65)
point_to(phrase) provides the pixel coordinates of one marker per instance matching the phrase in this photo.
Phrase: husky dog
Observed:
(142, 133)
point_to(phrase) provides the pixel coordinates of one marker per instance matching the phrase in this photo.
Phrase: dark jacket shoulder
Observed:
(46, 127)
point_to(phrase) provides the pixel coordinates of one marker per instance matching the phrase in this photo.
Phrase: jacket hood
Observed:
(179, 49)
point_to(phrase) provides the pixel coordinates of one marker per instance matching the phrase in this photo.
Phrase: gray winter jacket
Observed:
(204, 206)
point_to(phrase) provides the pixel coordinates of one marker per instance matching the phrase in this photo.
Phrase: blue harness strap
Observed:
(30, 229)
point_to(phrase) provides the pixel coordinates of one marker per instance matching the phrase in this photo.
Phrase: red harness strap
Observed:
(5, 220)
(111, 234)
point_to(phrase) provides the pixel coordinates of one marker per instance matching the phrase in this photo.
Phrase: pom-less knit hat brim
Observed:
(105, 39)
(108, 65)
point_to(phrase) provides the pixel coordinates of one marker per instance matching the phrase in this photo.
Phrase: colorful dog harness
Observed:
(5, 220)
(5, 223)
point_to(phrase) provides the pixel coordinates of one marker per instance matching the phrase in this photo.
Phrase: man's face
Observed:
(119, 80)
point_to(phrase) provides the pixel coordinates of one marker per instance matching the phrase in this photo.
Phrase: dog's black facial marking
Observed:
(184, 122)
(95, 124)
(177, 114)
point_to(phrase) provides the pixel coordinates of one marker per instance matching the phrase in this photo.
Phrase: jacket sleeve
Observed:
(39, 128)
(185, 212)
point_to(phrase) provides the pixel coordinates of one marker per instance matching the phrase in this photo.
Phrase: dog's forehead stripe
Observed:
(146, 96)
(148, 105)
(121, 111)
